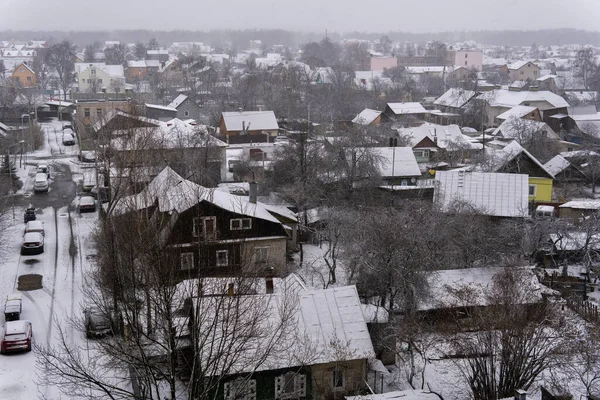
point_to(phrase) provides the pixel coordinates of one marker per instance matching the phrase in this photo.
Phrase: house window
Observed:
(290, 386)
(22, 70)
(236, 224)
(187, 261)
(466, 63)
(466, 55)
(261, 254)
(28, 79)
(337, 379)
(86, 112)
(100, 81)
(522, 72)
(532, 190)
(186, 113)
(240, 389)
(222, 258)
(205, 227)
(98, 112)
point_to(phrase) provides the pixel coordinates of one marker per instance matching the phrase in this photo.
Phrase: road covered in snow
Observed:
(50, 283)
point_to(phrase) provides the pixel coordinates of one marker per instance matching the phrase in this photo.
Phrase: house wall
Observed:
(133, 74)
(529, 71)
(276, 254)
(574, 213)
(266, 380)
(86, 78)
(381, 63)
(24, 76)
(543, 191)
(469, 59)
(188, 109)
(355, 373)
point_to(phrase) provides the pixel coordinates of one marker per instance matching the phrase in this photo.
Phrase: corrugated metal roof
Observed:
(494, 194)
(257, 120)
(407, 108)
(366, 116)
(557, 165)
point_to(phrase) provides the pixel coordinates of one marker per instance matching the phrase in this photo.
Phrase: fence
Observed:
(585, 309)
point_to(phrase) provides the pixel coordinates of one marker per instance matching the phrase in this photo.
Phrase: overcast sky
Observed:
(303, 15)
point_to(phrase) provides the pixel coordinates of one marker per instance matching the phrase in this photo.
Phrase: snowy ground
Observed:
(60, 299)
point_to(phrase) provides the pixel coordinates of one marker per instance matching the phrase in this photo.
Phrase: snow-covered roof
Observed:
(442, 135)
(178, 100)
(321, 326)
(470, 287)
(407, 108)
(366, 116)
(515, 128)
(573, 241)
(165, 135)
(557, 164)
(508, 98)
(159, 107)
(254, 120)
(520, 64)
(410, 394)
(454, 97)
(579, 154)
(514, 149)
(396, 161)
(582, 204)
(174, 193)
(112, 70)
(494, 194)
(517, 111)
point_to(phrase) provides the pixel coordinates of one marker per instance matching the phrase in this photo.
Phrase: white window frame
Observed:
(218, 262)
(201, 222)
(240, 389)
(534, 186)
(261, 254)
(239, 224)
(186, 261)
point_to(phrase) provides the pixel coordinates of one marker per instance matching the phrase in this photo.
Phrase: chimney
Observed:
(252, 194)
(520, 394)
(269, 285)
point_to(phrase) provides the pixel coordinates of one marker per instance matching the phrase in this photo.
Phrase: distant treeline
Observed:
(238, 39)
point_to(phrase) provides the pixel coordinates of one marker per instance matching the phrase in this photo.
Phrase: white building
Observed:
(96, 77)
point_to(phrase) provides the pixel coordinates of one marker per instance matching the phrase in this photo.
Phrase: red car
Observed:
(16, 336)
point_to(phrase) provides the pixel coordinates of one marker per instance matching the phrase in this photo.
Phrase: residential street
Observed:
(62, 265)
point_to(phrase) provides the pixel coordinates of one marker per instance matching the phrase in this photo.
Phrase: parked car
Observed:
(67, 125)
(282, 140)
(29, 215)
(87, 203)
(41, 182)
(35, 226)
(97, 323)
(68, 139)
(100, 193)
(33, 243)
(43, 168)
(16, 336)
(87, 157)
(13, 307)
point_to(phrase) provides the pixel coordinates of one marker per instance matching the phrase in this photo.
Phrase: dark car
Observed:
(29, 215)
(16, 336)
(97, 323)
(13, 307)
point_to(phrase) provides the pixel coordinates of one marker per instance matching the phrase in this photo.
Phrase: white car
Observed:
(33, 243)
(35, 226)
(41, 182)
(68, 139)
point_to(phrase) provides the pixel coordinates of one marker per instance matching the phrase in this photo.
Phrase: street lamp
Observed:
(12, 195)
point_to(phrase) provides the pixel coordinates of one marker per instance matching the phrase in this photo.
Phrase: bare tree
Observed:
(60, 58)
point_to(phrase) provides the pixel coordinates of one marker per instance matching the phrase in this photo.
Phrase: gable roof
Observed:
(520, 64)
(256, 120)
(174, 193)
(514, 127)
(23, 64)
(455, 97)
(396, 161)
(517, 111)
(178, 101)
(441, 135)
(112, 70)
(512, 151)
(406, 108)
(494, 194)
(508, 98)
(366, 116)
(557, 164)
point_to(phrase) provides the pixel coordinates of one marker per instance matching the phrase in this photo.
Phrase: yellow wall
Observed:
(543, 191)
(21, 73)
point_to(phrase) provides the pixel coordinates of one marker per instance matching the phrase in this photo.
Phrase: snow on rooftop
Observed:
(442, 135)
(582, 204)
(517, 111)
(454, 97)
(174, 193)
(557, 164)
(160, 107)
(507, 98)
(494, 194)
(366, 116)
(178, 100)
(258, 120)
(396, 161)
(573, 241)
(407, 108)
(410, 394)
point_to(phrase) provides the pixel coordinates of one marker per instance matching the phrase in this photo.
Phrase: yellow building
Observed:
(24, 76)
(515, 159)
